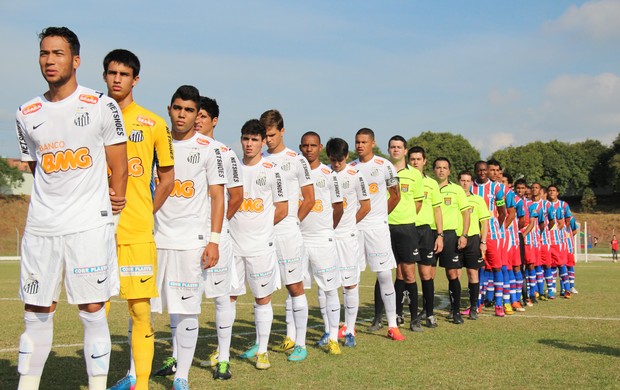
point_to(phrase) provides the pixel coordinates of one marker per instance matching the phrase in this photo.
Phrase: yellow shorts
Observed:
(137, 266)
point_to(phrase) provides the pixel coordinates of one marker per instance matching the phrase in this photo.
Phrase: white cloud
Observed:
(595, 19)
(499, 98)
(493, 142)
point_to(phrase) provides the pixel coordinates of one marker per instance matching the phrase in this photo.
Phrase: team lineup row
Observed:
(214, 223)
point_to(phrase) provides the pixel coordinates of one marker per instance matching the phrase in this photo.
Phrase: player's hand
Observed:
(118, 202)
(483, 249)
(462, 242)
(210, 256)
(438, 244)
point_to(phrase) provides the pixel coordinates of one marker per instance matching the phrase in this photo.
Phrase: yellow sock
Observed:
(142, 340)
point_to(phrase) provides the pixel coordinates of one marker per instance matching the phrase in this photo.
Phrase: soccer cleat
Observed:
(450, 316)
(213, 358)
(285, 345)
(394, 334)
(299, 353)
(466, 311)
(342, 332)
(473, 314)
(222, 371)
(250, 353)
(499, 311)
(323, 340)
(377, 324)
(431, 322)
(400, 320)
(573, 290)
(543, 298)
(262, 362)
(529, 302)
(488, 303)
(180, 384)
(508, 309)
(457, 319)
(551, 296)
(349, 340)
(416, 326)
(333, 348)
(169, 367)
(567, 295)
(422, 315)
(517, 306)
(126, 383)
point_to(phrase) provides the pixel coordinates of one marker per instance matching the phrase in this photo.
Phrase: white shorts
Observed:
(261, 273)
(325, 266)
(292, 259)
(179, 281)
(376, 246)
(222, 278)
(85, 260)
(348, 256)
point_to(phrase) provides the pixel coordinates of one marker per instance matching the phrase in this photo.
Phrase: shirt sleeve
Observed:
(418, 186)
(436, 198)
(336, 195)
(567, 213)
(303, 171)
(482, 209)
(233, 170)
(461, 198)
(278, 188)
(27, 148)
(391, 178)
(163, 145)
(215, 167)
(113, 127)
(361, 187)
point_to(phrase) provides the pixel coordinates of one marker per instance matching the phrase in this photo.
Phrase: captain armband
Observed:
(500, 203)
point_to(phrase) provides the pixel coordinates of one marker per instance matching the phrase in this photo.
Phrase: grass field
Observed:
(560, 344)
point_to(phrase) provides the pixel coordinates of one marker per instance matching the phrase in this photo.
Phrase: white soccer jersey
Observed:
(183, 222)
(380, 174)
(67, 140)
(296, 174)
(353, 188)
(252, 225)
(318, 227)
(233, 175)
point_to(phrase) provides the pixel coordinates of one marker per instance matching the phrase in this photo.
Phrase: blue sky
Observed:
(499, 73)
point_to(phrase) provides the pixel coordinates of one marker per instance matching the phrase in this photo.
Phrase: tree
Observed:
(588, 200)
(10, 177)
(456, 148)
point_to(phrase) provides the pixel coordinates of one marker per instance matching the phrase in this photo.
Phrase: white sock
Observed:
(388, 296)
(97, 345)
(132, 365)
(35, 345)
(263, 317)
(351, 304)
(174, 322)
(291, 328)
(300, 314)
(333, 313)
(224, 321)
(323, 309)
(187, 336)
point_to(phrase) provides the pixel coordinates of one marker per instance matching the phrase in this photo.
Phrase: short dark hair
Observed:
(63, 32)
(272, 118)
(398, 138)
(552, 186)
(254, 127)
(311, 133)
(187, 92)
(366, 131)
(508, 177)
(465, 172)
(478, 163)
(520, 181)
(210, 106)
(442, 159)
(416, 149)
(337, 148)
(124, 57)
(494, 162)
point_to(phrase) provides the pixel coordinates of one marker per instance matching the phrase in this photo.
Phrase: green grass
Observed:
(560, 344)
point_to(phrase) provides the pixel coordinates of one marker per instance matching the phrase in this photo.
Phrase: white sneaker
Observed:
(573, 290)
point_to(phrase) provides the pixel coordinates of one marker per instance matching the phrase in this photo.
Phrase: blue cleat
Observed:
(349, 340)
(250, 353)
(180, 384)
(299, 353)
(126, 383)
(324, 340)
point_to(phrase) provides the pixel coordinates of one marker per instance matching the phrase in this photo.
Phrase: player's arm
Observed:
(116, 158)
(165, 184)
(338, 211)
(501, 212)
(418, 206)
(462, 243)
(235, 198)
(307, 192)
(211, 254)
(484, 231)
(439, 224)
(281, 211)
(394, 198)
(363, 210)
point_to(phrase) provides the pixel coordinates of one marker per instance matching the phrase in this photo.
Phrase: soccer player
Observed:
(518, 215)
(493, 194)
(472, 254)
(544, 273)
(356, 205)
(403, 233)
(67, 135)
(218, 278)
(195, 209)
(571, 230)
(148, 140)
(289, 242)
(317, 230)
(265, 204)
(529, 236)
(558, 251)
(375, 241)
(454, 204)
(429, 225)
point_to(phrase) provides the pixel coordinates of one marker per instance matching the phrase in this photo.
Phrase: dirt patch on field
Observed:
(600, 225)
(13, 211)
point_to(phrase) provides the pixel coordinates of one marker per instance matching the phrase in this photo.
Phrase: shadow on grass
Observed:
(583, 347)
